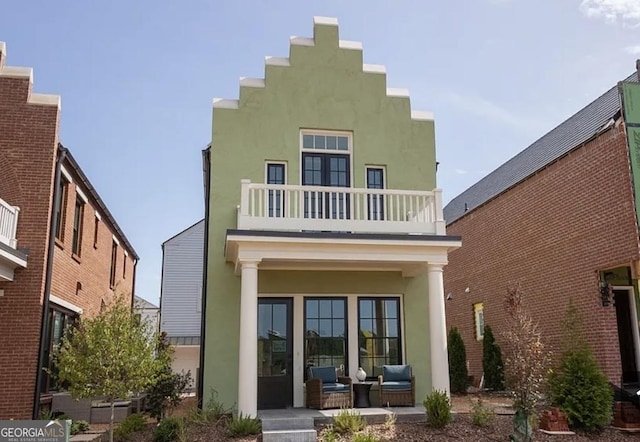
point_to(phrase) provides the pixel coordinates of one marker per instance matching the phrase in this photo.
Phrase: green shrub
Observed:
(438, 409)
(458, 374)
(214, 409)
(244, 425)
(481, 415)
(365, 437)
(492, 364)
(130, 425)
(390, 421)
(79, 426)
(167, 430)
(329, 435)
(348, 421)
(579, 387)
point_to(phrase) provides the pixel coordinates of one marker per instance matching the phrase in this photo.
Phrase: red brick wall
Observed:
(92, 268)
(28, 143)
(551, 233)
(27, 148)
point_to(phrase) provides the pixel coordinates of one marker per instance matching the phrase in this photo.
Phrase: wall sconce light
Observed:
(467, 290)
(449, 296)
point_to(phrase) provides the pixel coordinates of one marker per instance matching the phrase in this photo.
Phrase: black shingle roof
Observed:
(576, 130)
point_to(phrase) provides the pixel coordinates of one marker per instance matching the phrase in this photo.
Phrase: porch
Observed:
(316, 229)
(10, 257)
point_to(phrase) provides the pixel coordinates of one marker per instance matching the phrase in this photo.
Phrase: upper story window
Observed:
(375, 202)
(114, 259)
(61, 206)
(326, 141)
(276, 174)
(78, 215)
(478, 316)
(96, 225)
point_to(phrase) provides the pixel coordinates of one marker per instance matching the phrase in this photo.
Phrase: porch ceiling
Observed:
(409, 254)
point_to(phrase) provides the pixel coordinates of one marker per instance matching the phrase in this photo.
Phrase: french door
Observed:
(275, 353)
(328, 170)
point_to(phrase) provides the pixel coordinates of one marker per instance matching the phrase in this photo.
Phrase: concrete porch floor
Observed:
(372, 414)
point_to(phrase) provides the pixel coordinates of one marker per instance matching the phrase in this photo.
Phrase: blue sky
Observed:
(137, 80)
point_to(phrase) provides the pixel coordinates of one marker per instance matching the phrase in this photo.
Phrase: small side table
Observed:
(361, 391)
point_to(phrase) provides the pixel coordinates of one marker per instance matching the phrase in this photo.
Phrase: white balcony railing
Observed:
(8, 223)
(341, 209)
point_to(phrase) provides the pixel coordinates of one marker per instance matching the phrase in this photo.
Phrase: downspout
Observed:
(61, 154)
(206, 172)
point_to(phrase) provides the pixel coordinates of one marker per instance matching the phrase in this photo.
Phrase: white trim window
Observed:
(321, 140)
(379, 334)
(478, 319)
(376, 179)
(276, 173)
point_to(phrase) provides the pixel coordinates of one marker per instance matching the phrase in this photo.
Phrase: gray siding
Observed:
(180, 299)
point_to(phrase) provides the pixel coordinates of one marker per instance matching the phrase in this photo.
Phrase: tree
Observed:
(165, 392)
(526, 363)
(580, 388)
(492, 365)
(109, 355)
(458, 374)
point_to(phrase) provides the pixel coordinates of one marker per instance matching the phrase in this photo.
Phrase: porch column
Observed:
(438, 330)
(248, 345)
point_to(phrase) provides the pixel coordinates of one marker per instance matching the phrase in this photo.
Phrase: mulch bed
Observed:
(462, 429)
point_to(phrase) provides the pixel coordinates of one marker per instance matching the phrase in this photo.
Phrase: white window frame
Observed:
(339, 133)
(266, 169)
(478, 310)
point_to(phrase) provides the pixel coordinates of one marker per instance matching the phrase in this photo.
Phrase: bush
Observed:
(79, 426)
(244, 426)
(130, 425)
(492, 365)
(365, 437)
(167, 430)
(580, 388)
(438, 409)
(458, 375)
(165, 393)
(348, 421)
(481, 415)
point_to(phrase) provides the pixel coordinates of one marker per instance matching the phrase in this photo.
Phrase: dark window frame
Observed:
(63, 190)
(362, 344)
(78, 224)
(345, 302)
(276, 205)
(96, 224)
(114, 263)
(375, 203)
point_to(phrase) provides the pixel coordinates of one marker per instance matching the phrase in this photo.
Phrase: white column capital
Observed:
(249, 263)
(435, 267)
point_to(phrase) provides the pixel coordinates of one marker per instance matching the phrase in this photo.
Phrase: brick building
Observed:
(62, 253)
(559, 219)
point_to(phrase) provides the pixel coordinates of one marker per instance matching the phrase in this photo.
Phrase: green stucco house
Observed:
(324, 229)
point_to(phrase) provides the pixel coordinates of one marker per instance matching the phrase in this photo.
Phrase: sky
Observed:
(137, 79)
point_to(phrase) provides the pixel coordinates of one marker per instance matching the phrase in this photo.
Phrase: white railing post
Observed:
(441, 228)
(244, 197)
(13, 240)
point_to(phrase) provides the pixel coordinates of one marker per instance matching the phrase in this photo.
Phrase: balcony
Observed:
(10, 257)
(278, 207)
